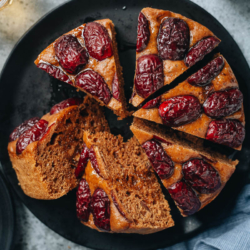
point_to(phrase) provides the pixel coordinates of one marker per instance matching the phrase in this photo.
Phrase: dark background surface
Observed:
(26, 91)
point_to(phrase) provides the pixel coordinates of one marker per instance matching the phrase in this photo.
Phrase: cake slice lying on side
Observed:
(208, 105)
(87, 58)
(167, 45)
(119, 191)
(45, 152)
(193, 175)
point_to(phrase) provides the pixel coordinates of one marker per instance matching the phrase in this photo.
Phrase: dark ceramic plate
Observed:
(26, 91)
(6, 216)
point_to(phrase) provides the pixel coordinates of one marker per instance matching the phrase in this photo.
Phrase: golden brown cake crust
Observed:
(105, 68)
(118, 223)
(33, 176)
(171, 69)
(180, 151)
(226, 79)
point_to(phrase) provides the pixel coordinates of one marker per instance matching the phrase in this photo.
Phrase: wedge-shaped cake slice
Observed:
(167, 45)
(119, 192)
(44, 152)
(87, 58)
(193, 175)
(208, 104)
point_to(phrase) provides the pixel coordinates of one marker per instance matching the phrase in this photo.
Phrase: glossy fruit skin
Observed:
(93, 160)
(83, 199)
(33, 134)
(152, 103)
(101, 209)
(82, 163)
(201, 176)
(180, 110)
(55, 72)
(65, 104)
(143, 33)
(94, 84)
(70, 54)
(173, 39)
(227, 132)
(97, 41)
(204, 76)
(22, 128)
(200, 49)
(162, 140)
(115, 88)
(185, 197)
(162, 163)
(220, 104)
(149, 75)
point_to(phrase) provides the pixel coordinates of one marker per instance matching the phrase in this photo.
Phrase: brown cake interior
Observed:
(130, 174)
(59, 153)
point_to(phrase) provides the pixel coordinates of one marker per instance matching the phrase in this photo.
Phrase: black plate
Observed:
(26, 91)
(6, 216)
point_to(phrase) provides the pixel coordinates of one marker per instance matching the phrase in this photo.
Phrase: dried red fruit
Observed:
(201, 176)
(162, 140)
(47, 131)
(200, 49)
(227, 132)
(70, 53)
(143, 33)
(33, 134)
(93, 160)
(97, 41)
(117, 205)
(65, 104)
(173, 39)
(55, 72)
(223, 103)
(162, 163)
(115, 88)
(204, 76)
(180, 110)
(94, 84)
(185, 197)
(152, 103)
(22, 128)
(149, 75)
(101, 209)
(83, 199)
(82, 163)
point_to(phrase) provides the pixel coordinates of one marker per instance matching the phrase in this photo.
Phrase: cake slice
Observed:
(193, 175)
(208, 105)
(45, 152)
(119, 192)
(167, 45)
(87, 58)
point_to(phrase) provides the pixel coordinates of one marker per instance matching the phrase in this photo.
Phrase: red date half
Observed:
(82, 163)
(180, 110)
(185, 197)
(204, 76)
(200, 49)
(97, 41)
(223, 103)
(101, 209)
(149, 75)
(33, 134)
(201, 176)
(173, 39)
(65, 104)
(83, 199)
(162, 163)
(143, 33)
(227, 132)
(94, 84)
(115, 88)
(70, 53)
(22, 128)
(152, 103)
